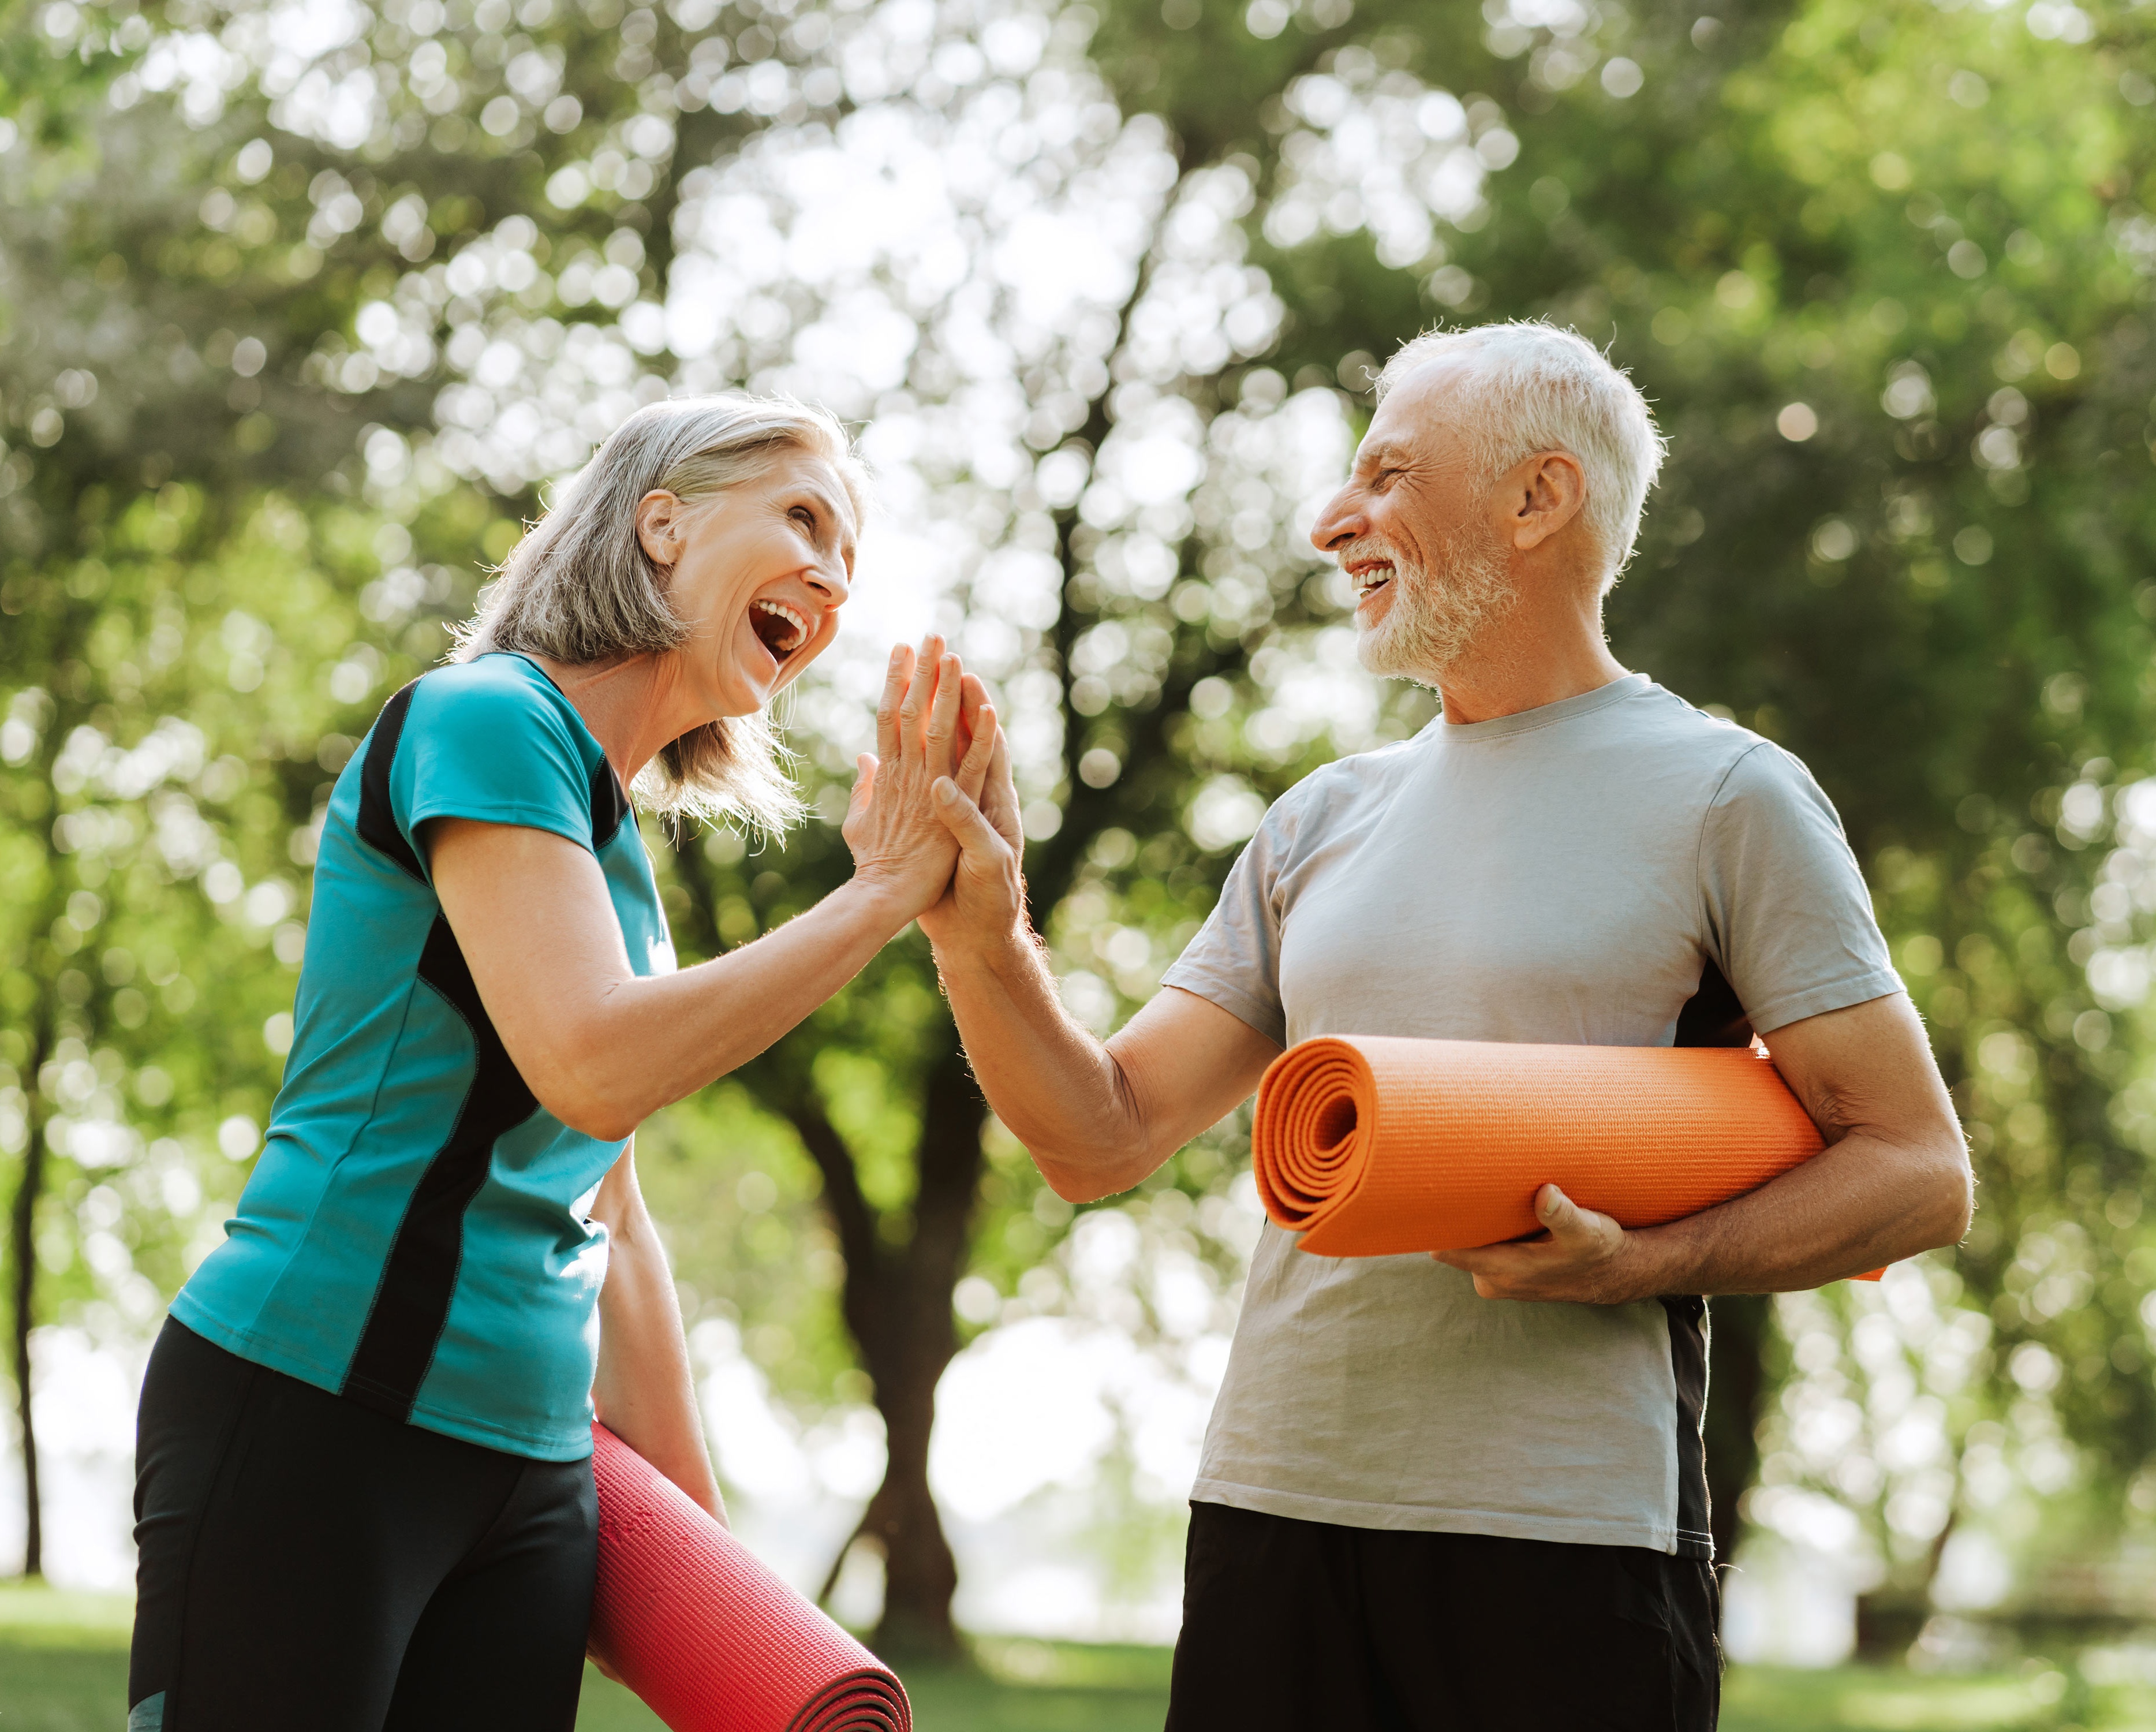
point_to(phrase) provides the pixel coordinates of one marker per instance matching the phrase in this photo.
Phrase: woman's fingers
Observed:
(919, 693)
(896, 682)
(864, 783)
(972, 772)
(940, 743)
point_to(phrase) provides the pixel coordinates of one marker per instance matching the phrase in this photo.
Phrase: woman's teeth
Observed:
(782, 630)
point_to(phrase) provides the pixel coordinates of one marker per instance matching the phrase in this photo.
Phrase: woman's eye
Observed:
(805, 517)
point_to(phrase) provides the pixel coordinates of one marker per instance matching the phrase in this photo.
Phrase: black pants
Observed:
(306, 1564)
(1308, 1628)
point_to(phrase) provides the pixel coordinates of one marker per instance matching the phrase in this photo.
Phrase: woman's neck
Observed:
(633, 705)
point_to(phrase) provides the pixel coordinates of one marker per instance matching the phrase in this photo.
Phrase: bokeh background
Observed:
(305, 304)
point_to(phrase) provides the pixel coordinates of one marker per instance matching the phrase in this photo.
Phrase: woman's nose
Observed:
(830, 582)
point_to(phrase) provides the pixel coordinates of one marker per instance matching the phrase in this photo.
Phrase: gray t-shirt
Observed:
(1565, 875)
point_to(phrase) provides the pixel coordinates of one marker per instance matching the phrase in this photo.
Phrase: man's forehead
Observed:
(1416, 418)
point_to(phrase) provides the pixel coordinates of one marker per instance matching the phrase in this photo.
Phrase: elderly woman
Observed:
(364, 1492)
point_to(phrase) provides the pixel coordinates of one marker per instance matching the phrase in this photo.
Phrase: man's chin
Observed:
(1380, 652)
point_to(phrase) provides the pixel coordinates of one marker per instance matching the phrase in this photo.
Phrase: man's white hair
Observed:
(1538, 388)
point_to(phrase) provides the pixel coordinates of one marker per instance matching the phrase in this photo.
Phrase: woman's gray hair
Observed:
(579, 588)
(1542, 389)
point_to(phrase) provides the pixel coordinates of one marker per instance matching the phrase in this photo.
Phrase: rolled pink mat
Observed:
(704, 1633)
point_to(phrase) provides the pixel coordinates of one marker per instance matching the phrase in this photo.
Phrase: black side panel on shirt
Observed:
(609, 804)
(412, 1304)
(377, 822)
(1711, 1016)
(1687, 1315)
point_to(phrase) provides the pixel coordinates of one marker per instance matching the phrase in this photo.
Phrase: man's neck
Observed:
(1521, 663)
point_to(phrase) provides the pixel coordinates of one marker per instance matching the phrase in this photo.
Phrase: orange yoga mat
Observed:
(1375, 1147)
(708, 1637)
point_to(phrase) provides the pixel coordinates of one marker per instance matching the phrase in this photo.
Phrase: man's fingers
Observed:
(1001, 804)
(1567, 1221)
(863, 781)
(963, 818)
(973, 771)
(893, 697)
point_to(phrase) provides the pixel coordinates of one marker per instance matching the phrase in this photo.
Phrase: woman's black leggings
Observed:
(307, 1564)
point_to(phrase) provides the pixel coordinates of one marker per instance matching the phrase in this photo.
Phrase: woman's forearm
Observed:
(641, 1043)
(645, 1391)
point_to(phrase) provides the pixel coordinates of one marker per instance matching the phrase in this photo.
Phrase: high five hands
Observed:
(936, 730)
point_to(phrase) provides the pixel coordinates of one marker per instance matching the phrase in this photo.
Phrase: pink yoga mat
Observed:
(708, 1637)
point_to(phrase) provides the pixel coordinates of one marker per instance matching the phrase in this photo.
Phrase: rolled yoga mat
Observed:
(708, 1637)
(1369, 1146)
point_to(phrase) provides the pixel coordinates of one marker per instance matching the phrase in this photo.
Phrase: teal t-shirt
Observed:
(415, 1236)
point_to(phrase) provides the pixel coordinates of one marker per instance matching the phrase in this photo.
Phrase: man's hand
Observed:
(985, 901)
(1580, 1256)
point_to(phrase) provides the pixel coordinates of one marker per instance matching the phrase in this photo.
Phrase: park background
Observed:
(305, 305)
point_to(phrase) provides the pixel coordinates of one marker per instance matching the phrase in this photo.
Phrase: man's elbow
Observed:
(1084, 1178)
(1950, 1193)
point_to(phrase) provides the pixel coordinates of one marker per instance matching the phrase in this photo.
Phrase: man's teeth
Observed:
(798, 626)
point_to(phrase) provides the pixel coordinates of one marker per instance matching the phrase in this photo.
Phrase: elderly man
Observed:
(1469, 1492)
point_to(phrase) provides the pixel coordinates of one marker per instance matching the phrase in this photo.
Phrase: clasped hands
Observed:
(934, 816)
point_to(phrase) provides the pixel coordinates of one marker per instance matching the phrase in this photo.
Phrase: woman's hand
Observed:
(934, 723)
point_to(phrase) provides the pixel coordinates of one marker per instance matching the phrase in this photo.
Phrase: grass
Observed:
(64, 1669)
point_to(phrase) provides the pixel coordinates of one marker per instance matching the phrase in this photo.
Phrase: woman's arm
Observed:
(603, 1047)
(645, 1393)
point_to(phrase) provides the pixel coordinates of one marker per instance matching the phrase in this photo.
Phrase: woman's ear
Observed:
(661, 527)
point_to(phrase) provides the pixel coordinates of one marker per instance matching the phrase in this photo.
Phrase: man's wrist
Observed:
(997, 951)
(1653, 1262)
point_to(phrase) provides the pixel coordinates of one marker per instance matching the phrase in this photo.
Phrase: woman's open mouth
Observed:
(777, 628)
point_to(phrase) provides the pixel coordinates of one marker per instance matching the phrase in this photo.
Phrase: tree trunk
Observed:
(897, 1307)
(23, 1247)
(1736, 1383)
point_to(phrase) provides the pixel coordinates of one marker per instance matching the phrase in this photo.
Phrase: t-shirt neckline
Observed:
(576, 715)
(1565, 709)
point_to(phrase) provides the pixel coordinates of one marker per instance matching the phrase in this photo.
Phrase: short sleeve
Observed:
(1234, 960)
(483, 741)
(1786, 905)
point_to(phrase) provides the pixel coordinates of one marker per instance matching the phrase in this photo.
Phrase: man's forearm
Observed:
(1057, 1089)
(1862, 1204)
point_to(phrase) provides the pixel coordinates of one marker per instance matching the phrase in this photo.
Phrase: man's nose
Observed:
(1340, 522)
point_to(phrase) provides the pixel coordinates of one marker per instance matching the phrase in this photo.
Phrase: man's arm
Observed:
(1894, 1181)
(1096, 1118)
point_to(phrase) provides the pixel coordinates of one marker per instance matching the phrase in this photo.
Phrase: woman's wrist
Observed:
(882, 899)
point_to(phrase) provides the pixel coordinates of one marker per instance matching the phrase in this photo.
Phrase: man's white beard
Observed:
(1432, 620)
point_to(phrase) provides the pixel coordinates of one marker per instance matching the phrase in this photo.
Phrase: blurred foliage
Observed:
(301, 308)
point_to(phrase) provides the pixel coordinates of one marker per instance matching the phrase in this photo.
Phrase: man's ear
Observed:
(659, 529)
(1545, 492)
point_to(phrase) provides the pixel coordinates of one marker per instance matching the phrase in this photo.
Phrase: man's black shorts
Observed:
(1307, 1627)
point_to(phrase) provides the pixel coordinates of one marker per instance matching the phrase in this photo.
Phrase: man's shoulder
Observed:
(1350, 779)
(1660, 724)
